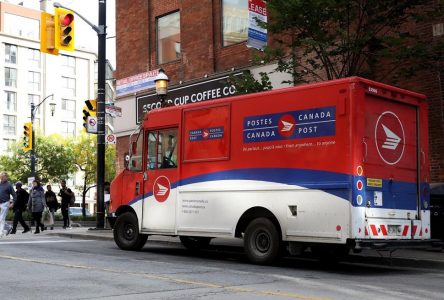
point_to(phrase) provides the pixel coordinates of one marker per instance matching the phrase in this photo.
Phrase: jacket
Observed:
(22, 200)
(37, 201)
(51, 200)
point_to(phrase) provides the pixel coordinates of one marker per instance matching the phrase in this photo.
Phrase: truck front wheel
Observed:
(261, 241)
(126, 232)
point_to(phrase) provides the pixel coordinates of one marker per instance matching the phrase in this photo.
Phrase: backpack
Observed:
(72, 201)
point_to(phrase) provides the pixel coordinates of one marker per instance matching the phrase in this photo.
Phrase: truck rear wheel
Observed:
(261, 241)
(126, 232)
(194, 242)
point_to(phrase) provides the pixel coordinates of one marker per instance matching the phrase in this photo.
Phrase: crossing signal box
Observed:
(64, 29)
(27, 137)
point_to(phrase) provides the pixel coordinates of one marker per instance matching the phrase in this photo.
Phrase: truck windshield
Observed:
(162, 149)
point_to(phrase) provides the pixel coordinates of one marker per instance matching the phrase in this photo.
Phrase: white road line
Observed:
(43, 242)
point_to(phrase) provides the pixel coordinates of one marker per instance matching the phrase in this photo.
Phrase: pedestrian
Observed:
(66, 194)
(37, 204)
(52, 203)
(19, 207)
(6, 193)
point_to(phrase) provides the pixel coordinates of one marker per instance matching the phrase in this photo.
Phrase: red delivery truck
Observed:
(333, 166)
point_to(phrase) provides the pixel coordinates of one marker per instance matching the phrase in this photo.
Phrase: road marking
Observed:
(42, 242)
(167, 278)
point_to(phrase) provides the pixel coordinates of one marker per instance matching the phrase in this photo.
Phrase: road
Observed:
(54, 267)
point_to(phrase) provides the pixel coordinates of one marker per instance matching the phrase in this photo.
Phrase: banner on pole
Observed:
(257, 36)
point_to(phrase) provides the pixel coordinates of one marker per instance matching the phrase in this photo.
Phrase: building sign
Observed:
(136, 83)
(257, 36)
(208, 90)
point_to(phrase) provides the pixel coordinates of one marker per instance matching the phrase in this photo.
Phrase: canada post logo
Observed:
(298, 124)
(206, 134)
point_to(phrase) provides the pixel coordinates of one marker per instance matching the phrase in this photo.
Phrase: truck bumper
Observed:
(395, 244)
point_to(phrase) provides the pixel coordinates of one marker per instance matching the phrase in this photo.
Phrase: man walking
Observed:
(66, 195)
(19, 207)
(6, 192)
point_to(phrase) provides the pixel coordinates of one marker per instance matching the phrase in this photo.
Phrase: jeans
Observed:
(4, 207)
(65, 214)
(18, 217)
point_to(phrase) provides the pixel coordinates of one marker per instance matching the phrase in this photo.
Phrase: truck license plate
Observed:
(394, 229)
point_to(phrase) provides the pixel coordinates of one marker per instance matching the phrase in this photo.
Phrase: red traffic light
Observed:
(67, 19)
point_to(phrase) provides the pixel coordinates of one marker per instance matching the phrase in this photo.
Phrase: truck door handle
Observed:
(137, 188)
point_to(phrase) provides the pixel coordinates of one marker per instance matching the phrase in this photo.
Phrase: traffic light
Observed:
(89, 110)
(27, 137)
(47, 34)
(64, 29)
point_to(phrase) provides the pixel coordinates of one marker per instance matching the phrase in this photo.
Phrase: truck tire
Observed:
(194, 242)
(126, 232)
(261, 241)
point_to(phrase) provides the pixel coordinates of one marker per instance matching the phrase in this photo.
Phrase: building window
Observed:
(10, 101)
(69, 108)
(9, 125)
(7, 143)
(68, 129)
(11, 54)
(235, 21)
(10, 77)
(68, 65)
(34, 58)
(21, 26)
(69, 86)
(168, 38)
(34, 81)
(36, 100)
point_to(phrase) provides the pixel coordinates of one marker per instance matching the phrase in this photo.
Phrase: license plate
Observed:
(394, 229)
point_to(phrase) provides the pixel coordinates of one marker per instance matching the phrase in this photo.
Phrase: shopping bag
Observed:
(47, 218)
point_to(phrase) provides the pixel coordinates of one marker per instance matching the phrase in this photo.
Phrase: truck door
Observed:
(391, 159)
(159, 203)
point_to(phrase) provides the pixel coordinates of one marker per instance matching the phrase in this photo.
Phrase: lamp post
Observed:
(161, 82)
(33, 112)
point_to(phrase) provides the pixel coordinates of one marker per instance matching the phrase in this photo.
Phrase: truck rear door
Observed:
(391, 166)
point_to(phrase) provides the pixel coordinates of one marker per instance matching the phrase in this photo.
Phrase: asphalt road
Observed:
(51, 267)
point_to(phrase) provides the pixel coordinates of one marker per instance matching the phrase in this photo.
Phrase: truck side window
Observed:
(136, 155)
(162, 149)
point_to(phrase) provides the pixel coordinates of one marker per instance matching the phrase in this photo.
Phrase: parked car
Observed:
(437, 210)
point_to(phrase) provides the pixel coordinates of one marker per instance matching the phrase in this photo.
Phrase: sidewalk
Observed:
(421, 258)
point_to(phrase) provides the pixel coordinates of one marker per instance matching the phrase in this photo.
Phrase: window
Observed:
(34, 99)
(69, 107)
(168, 38)
(10, 101)
(11, 54)
(235, 21)
(10, 77)
(68, 64)
(21, 26)
(162, 149)
(69, 86)
(7, 143)
(34, 58)
(34, 81)
(9, 125)
(135, 163)
(68, 129)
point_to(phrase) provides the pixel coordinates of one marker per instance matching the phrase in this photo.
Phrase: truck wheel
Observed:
(194, 242)
(126, 233)
(261, 241)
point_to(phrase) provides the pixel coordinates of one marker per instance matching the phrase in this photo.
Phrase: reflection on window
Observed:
(162, 149)
(34, 81)
(235, 21)
(68, 129)
(21, 26)
(36, 100)
(9, 124)
(168, 38)
(11, 54)
(34, 58)
(69, 86)
(10, 77)
(68, 64)
(10, 101)
(69, 107)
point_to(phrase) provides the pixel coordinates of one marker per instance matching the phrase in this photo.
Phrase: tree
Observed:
(85, 151)
(246, 83)
(328, 39)
(54, 160)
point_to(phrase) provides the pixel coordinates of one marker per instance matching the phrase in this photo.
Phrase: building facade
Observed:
(198, 44)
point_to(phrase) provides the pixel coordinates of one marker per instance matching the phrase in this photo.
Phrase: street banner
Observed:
(257, 36)
(136, 83)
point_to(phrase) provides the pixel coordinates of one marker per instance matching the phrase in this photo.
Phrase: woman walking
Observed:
(36, 204)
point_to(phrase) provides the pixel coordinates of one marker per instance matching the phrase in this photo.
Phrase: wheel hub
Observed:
(262, 242)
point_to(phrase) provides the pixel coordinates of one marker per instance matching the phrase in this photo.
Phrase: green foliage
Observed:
(54, 160)
(246, 83)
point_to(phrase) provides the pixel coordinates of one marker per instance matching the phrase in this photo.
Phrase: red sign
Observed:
(390, 138)
(161, 189)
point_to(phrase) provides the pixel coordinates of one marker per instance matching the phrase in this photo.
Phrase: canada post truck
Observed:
(333, 166)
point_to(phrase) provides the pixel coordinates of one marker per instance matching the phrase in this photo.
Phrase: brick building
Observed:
(199, 43)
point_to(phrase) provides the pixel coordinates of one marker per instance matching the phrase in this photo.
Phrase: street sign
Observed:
(30, 180)
(91, 125)
(110, 139)
(114, 111)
